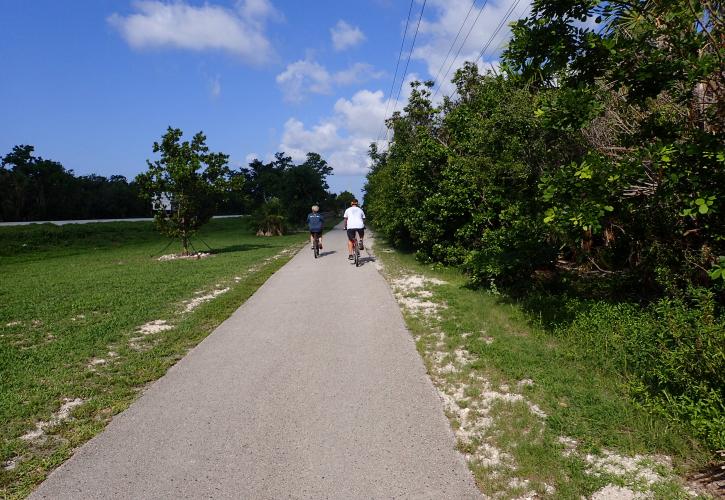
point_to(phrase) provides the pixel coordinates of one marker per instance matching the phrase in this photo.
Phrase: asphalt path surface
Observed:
(312, 389)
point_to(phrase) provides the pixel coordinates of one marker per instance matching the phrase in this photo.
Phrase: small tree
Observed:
(193, 180)
(270, 218)
(344, 199)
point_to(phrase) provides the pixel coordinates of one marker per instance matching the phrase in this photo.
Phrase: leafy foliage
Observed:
(670, 352)
(594, 164)
(191, 177)
(270, 219)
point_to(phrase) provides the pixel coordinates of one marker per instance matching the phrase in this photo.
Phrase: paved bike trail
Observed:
(311, 389)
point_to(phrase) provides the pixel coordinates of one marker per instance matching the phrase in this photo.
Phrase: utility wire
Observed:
(405, 72)
(392, 85)
(505, 18)
(500, 25)
(454, 41)
(459, 49)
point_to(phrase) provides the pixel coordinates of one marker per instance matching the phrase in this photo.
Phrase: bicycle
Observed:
(356, 251)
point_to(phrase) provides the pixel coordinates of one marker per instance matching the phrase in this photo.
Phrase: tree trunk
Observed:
(185, 243)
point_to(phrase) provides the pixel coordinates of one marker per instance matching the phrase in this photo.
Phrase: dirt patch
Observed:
(638, 467)
(415, 282)
(197, 301)
(10, 464)
(527, 382)
(156, 326)
(96, 361)
(62, 414)
(612, 492)
(410, 292)
(463, 357)
(13, 323)
(137, 344)
(180, 256)
(418, 306)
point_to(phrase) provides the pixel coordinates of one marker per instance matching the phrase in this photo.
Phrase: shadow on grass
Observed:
(245, 247)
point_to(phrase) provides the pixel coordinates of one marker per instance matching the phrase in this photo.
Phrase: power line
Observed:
(505, 18)
(392, 85)
(405, 72)
(459, 49)
(454, 41)
(500, 25)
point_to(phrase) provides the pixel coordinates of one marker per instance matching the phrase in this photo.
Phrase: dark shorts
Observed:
(351, 233)
(316, 233)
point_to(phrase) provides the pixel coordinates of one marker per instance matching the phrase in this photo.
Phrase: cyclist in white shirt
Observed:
(354, 222)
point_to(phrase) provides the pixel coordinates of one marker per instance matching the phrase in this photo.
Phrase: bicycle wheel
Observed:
(316, 247)
(357, 253)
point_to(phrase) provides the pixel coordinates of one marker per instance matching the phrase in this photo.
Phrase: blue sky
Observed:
(93, 84)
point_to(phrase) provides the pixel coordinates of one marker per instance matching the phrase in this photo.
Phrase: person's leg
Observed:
(350, 236)
(361, 232)
(312, 240)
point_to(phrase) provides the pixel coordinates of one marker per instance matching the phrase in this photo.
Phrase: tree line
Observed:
(585, 178)
(33, 188)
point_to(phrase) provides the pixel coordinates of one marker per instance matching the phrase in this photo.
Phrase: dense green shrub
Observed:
(671, 353)
(593, 166)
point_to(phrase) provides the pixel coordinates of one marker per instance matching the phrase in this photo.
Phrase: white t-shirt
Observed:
(355, 218)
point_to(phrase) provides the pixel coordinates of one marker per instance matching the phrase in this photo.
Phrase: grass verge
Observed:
(90, 316)
(532, 414)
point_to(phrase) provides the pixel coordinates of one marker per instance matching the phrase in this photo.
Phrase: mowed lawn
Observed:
(73, 300)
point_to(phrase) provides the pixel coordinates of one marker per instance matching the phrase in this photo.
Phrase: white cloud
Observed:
(307, 76)
(250, 158)
(206, 27)
(357, 73)
(302, 77)
(258, 10)
(345, 36)
(363, 114)
(436, 36)
(342, 139)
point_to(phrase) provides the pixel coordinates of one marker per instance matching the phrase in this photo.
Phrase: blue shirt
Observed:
(315, 221)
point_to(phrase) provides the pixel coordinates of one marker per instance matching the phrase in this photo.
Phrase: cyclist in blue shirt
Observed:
(315, 220)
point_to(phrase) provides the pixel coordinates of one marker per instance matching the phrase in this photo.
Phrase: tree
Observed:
(38, 188)
(295, 187)
(343, 199)
(647, 90)
(303, 185)
(192, 178)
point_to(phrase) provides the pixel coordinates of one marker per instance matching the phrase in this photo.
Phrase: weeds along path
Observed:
(313, 388)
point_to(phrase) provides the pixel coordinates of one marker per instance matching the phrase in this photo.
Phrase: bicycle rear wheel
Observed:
(357, 253)
(316, 247)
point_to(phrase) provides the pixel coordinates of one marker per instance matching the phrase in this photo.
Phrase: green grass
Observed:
(582, 401)
(74, 293)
